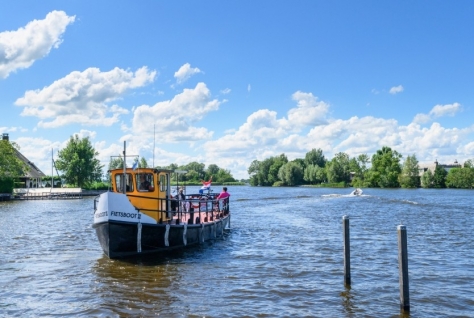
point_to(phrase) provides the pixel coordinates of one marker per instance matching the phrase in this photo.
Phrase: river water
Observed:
(282, 257)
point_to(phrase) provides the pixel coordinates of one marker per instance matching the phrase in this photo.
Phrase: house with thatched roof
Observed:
(33, 175)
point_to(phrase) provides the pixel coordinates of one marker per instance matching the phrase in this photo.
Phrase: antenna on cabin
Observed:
(153, 145)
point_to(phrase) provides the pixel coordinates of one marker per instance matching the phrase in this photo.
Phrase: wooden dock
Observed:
(46, 193)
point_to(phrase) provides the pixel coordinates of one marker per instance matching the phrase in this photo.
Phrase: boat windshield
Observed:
(145, 182)
(119, 182)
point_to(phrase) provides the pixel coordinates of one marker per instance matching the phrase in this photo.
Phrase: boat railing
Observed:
(198, 208)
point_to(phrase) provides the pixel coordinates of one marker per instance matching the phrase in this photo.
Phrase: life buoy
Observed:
(195, 202)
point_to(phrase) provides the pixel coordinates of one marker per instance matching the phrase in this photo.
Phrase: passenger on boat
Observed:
(223, 194)
(174, 203)
(144, 184)
(181, 194)
(182, 199)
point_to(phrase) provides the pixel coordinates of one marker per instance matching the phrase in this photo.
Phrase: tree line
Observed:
(80, 167)
(195, 172)
(384, 169)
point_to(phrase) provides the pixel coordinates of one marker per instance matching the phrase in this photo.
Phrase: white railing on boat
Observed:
(194, 209)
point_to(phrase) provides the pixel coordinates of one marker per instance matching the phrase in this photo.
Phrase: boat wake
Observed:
(355, 193)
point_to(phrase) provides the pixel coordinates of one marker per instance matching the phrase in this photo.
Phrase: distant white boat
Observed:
(357, 192)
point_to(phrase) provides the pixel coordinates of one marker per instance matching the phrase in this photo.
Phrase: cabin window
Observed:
(120, 181)
(145, 182)
(163, 182)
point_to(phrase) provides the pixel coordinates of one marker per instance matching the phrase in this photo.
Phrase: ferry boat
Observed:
(139, 214)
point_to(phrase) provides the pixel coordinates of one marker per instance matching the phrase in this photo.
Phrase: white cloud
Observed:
(185, 72)
(396, 89)
(467, 150)
(21, 48)
(438, 111)
(38, 151)
(264, 135)
(83, 97)
(249, 88)
(421, 118)
(6, 129)
(86, 133)
(309, 110)
(261, 132)
(264, 131)
(445, 110)
(225, 91)
(174, 119)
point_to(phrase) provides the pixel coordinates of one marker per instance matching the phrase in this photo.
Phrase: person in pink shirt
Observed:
(225, 205)
(223, 194)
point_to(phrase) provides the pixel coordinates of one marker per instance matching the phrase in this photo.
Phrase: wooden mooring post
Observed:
(403, 268)
(347, 250)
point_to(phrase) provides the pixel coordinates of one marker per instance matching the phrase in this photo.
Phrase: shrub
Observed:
(98, 186)
(6, 185)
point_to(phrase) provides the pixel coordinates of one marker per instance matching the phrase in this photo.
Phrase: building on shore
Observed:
(33, 176)
(432, 167)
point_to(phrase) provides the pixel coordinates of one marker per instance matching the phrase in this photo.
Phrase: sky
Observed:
(229, 82)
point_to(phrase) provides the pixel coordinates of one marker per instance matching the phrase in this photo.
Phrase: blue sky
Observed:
(227, 82)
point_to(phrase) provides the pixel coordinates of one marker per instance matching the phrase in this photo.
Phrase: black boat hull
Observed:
(124, 239)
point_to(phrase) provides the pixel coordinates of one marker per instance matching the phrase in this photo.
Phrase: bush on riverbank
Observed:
(6, 185)
(330, 185)
(98, 186)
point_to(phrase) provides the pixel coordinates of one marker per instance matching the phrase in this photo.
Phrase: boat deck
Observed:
(197, 217)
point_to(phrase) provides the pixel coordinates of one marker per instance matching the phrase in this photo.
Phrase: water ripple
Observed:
(282, 258)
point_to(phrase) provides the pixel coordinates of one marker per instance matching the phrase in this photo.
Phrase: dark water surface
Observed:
(283, 257)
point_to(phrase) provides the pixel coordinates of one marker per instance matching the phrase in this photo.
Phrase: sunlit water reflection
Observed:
(283, 257)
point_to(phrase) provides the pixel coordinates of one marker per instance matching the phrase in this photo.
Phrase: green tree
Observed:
(385, 168)
(358, 166)
(314, 174)
(410, 175)
(11, 168)
(439, 177)
(212, 170)
(265, 173)
(460, 177)
(315, 157)
(142, 163)
(116, 162)
(254, 171)
(469, 163)
(338, 169)
(78, 162)
(192, 175)
(223, 176)
(276, 163)
(171, 167)
(427, 180)
(197, 168)
(291, 173)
